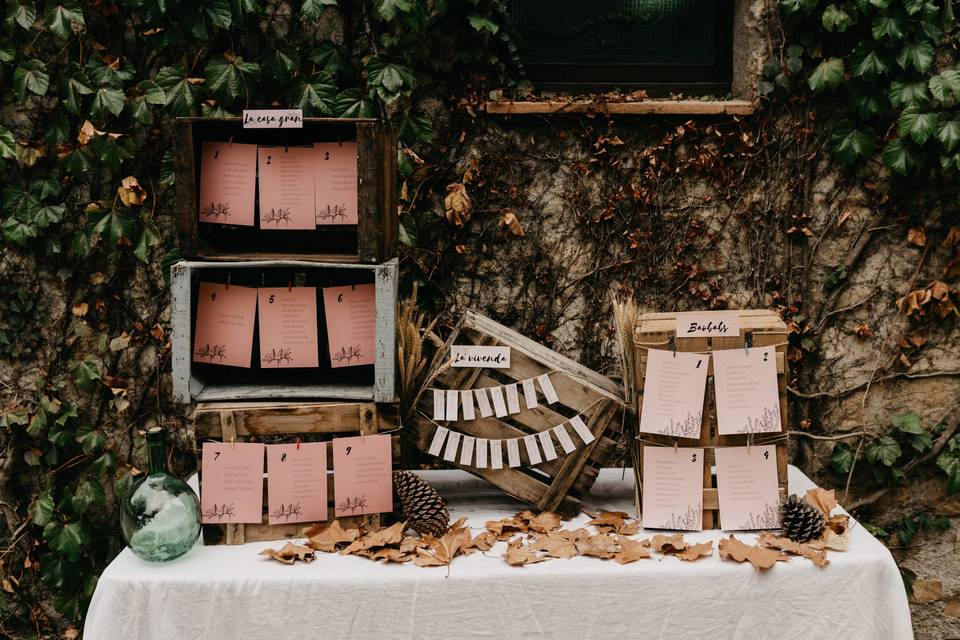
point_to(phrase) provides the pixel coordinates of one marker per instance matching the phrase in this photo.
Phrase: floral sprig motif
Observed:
(215, 210)
(352, 505)
(220, 512)
(279, 357)
(333, 213)
(287, 511)
(349, 354)
(217, 351)
(276, 216)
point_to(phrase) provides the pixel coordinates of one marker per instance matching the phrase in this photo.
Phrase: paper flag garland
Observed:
(447, 403)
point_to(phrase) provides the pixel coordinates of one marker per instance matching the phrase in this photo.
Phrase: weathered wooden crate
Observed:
(759, 328)
(202, 382)
(557, 485)
(284, 422)
(372, 240)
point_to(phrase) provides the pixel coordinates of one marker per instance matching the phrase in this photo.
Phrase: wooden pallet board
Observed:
(762, 328)
(278, 422)
(556, 485)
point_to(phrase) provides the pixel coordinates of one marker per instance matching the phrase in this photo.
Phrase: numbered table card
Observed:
(223, 333)
(231, 487)
(673, 393)
(673, 488)
(746, 385)
(336, 182)
(286, 188)
(351, 314)
(363, 475)
(296, 482)
(288, 327)
(228, 183)
(747, 487)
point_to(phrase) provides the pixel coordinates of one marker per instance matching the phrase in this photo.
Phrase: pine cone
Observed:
(801, 521)
(423, 508)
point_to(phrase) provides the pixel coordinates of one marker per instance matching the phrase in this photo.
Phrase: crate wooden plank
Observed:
(372, 240)
(559, 484)
(286, 421)
(188, 385)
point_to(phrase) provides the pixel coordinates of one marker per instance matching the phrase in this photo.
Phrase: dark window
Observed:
(660, 45)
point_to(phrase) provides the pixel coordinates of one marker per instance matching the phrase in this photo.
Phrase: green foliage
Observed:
(875, 65)
(885, 455)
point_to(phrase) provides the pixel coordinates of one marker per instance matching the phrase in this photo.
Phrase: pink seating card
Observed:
(228, 183)
(673, 488)
(673, 393)
(351, 314)
(297, 482)
(223, 333)
(748, 400)
(747, 487)
(288, 327)
(362, 475)
(231, 487)
(286, 188)
(336, 182)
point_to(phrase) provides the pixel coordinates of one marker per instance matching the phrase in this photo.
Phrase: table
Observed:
(230, 592)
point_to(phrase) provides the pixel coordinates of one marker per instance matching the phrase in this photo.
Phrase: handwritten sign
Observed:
(673, 488)
(228, 183)
(273, 118)
(708, 325)
(351, 314)
(745, 382)
(223, 334)
(468, 355)
(288, 327)
(747, 487)
(297, 482)
(363, 475)
(231, 485)
(673, 395)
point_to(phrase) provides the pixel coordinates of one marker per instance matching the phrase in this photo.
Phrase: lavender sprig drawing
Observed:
(276, 216)
(332, 213)
(348, 354)
(215, 210)
(689, 520)
(768, 518)
(768, 421)
(209, 352)
(352, 505)
(278, 357)
(686, 427)
(287, 511)
(220, 512)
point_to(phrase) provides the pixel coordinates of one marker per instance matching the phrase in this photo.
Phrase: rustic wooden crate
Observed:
(762, 328)
(557, 485)
(372, 240)
(283, 422)
(212, 383)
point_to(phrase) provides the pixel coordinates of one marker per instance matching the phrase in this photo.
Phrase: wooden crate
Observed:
(282, 423)
(762, 328)
(372, 240)
(556, 485)
(200, 382)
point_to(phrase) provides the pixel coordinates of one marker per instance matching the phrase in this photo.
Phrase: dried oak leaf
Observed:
(130, 192)
(441, 551)
(760, 557)
(601, 545)
(290, 553)
(668, 544)
(695, 551)
(457, 204)
(390, 536)
(518, 554)
(481, 542)
(616, 522)
(410, 544)
(542, 522)
(391, 555)
(555, 546)
(632, 550)
(822, 499)
(807, 550)
(326, 538)
(505, 528)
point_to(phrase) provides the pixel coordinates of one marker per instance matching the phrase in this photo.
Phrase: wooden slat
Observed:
(646, 107)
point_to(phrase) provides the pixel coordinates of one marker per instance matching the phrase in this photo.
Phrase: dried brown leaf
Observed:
(616, 522)
(632, 550)
(457, 204)
(821, 499)
(601, 545)
(917, 236)
(392, 535)
(481, 542)
(391, 555)
(807, 550)
(668, 544)
(326, 538)
(130, 192)
(290, 553)
(695, 551)
(553, 546)
(509, 222)
(506, 528)
(862, 331)
(760, 557)
(542, 522)
(518, 554)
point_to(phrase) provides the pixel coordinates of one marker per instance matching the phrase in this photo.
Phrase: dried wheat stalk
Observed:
(626, 313)
(417, 372)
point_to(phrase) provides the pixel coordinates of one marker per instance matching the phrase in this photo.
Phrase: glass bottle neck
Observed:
(156, 454)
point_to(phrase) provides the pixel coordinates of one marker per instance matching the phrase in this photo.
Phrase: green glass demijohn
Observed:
(160, 517)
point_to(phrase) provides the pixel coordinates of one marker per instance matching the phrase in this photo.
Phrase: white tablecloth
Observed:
(230, 592)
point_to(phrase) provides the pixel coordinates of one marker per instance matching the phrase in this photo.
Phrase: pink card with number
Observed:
(223, 333)
(745, 381)
(228, 183)
(296, 482)
(231, 483)
(673, 393)
(336, 182)
(747, 487)
(672, 488)
(362, 475)
(286, 188)
(351, 314)
(288, 327)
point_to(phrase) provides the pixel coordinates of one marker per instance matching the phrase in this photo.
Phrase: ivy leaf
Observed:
(908, 93)
(918, 55)
(7, 50)
(889, 26)
(112, 74)
(483, 23)
(90, 492)
(870, 63)
(331, 59)
(351, 104)
(388, 9)
(50, 214)
(311, 9)
(834, 19)
(228, 77)
(948, 133)
(949, 462)
(149, 237)
(31, 76)
(182, 94)
(883, 450)
(842, 458)
(17, 231)
(945, 86)
(74, 85)
(865, 97)
(794, 6)
(827, 75)
(919, 126)
(114, 224)
(92, 442)
(909, 425)
(408, 230)
(8, 144)
(416, 126)
(43, 509)
(22, 13)
(219, 13)
(70, 540)
(85, 372)
(900, 157)
(111, 153)
(107, 99)
(279, 64)
(151, 92)
(315, 98)
(850, 144)
(388, 77)
(61, 15)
